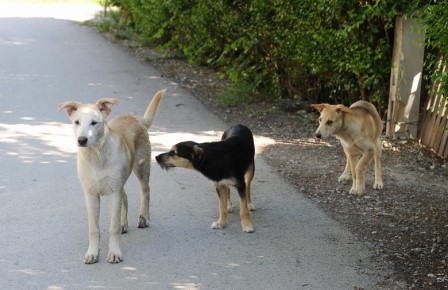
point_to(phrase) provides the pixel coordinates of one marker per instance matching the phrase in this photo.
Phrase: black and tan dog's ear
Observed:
(198, 153)
(70, 107)
(319, 107)
(105, 104)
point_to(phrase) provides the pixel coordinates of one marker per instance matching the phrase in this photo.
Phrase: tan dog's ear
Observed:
(70, 107)
(342, 108)
(319, 107)
(104, 105)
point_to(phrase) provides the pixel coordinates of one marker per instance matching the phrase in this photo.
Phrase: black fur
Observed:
(229, 158)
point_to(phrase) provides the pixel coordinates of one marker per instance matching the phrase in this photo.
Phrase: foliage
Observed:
(318, 50)
(434, 15)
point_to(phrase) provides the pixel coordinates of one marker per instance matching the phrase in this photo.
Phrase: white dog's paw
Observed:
(217, 225)
(229, 207)
(143, 222)
(378, 185)
(114, 256)
(90, 258)
(251, 207)
(247, 227)
(345, 177)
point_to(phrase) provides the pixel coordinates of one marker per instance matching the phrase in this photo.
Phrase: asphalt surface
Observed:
(43, 221)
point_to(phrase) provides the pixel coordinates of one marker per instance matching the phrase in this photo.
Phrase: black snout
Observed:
(318, 136)
(82, 141)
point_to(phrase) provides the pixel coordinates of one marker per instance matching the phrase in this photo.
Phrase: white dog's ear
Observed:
(104, 105)
(319, 107)
(70, 107)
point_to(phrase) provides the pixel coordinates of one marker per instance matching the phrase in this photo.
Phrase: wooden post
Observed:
(405, 80)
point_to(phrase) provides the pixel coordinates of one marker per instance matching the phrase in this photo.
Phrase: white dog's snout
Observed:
(82, 141)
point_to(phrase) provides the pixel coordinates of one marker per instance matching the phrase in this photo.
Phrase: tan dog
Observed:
(107, 154)
(358, 128)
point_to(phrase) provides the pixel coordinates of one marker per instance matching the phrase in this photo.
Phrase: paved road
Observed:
(45, 61)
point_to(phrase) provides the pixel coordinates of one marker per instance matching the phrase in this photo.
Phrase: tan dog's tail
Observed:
(151, 111)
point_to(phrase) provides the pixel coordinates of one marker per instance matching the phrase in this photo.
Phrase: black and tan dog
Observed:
(229, 162)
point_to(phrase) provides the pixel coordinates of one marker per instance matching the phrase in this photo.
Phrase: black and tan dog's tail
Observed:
(151, 111)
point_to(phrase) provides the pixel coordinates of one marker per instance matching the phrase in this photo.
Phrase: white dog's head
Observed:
(89, 120)
(330, 120)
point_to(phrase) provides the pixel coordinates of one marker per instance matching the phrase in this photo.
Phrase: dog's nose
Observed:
(82, 141)
(318, 135)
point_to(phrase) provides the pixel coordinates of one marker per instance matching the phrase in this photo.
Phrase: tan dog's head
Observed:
(88, 119)
(185, 154)
(330, 120)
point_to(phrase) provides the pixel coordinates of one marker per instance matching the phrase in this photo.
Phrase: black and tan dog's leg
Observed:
(223, 192)
(246, 222)
(248, 179)
(229, 201)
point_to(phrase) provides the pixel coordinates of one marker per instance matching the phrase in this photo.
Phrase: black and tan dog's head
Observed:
(185, 154)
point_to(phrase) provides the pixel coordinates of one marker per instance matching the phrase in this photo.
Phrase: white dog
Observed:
(107, 153)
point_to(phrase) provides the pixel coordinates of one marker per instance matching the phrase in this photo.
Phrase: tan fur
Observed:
(107, 154)
(358, 128)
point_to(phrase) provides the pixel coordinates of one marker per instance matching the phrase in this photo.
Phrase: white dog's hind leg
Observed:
(142, 170)
(114, 255)
(93, 214)
(124, 212)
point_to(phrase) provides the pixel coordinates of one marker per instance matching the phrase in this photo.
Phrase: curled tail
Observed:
(151, 111)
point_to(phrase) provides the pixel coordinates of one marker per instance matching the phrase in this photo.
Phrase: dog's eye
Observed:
(76, 122)
(94, 123)
(329, 122)
(171, 153)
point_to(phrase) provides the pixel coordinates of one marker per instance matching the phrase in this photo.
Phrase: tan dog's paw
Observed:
(143, 222)
(90, 258)
(345, 177)
(358, 192)
(378, 185)
(217, 225)
(114, 256)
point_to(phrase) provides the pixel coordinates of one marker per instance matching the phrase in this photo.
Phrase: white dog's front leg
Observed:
(114, 255)
(93, 214)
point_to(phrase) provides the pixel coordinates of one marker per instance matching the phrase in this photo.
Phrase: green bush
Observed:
(318, 50)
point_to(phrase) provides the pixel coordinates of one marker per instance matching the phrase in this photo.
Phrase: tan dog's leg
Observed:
(223, 191)
(345, 176)
(248, 179)
(124, 212)
(352, 163)
(114, 255)
(361, 168)
(378, 174)
(93, 214)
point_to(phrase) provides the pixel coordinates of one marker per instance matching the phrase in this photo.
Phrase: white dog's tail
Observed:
(151, 111)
